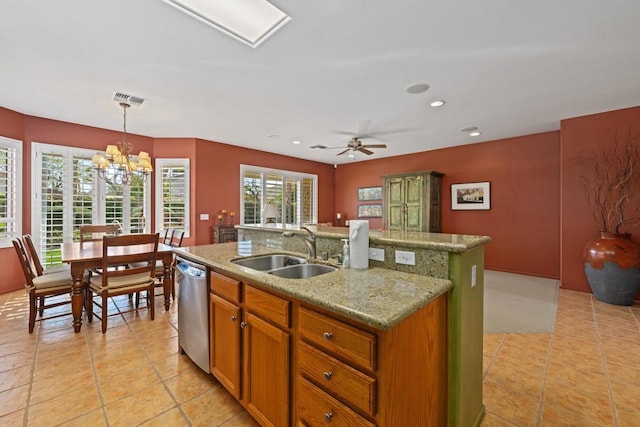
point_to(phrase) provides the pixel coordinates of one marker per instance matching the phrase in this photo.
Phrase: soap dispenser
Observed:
(345, 253)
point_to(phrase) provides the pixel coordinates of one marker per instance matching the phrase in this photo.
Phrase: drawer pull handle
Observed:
(233, 318)
(328, 416)
(327, 375)
(243, 324)
(327, 336)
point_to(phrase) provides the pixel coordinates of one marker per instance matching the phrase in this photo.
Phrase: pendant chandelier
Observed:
(117, 166)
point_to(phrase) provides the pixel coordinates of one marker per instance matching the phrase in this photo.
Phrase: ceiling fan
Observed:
(355, 143)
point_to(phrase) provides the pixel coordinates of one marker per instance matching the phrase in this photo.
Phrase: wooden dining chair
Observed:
(167, 235)
(139, 252)
(174, 240)
(94, 233)
(32, 253)
(39, 287)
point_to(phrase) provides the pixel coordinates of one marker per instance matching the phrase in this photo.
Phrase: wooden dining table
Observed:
(83, 256)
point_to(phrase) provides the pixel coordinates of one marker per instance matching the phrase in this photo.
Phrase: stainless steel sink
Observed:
(270, 262)
(302, 271)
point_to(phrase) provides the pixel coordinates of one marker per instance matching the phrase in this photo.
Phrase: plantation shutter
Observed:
(293, 194)
(172, 194)
(10, 190)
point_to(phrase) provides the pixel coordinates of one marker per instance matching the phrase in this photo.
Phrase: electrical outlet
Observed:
(403, 257)
(376, 254)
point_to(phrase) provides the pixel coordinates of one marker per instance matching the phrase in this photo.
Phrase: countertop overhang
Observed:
(377, 297)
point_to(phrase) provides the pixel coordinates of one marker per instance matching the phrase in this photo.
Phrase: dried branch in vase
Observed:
(611, 179)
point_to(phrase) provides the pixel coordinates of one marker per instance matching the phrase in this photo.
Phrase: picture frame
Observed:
(369, 193)
(370, 211)
(471, 196)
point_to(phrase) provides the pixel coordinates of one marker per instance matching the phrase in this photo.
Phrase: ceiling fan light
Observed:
(417, 88)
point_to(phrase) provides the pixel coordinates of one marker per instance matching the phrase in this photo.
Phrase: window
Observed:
(294, 195)
(172, 194)
(10, 190)
(68, 194)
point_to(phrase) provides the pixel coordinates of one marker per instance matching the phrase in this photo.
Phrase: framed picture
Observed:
(471, 196)
(369, 211)
(369, 193)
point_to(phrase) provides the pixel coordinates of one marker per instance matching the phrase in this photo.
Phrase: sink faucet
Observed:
(309, 240)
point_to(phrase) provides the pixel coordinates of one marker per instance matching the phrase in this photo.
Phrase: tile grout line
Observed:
(546, 373)
(605, 367)
(162, 381)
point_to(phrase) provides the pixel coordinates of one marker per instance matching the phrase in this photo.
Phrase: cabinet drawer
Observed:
(270, 306)
(317, 408)
(225, 287)
(339, 379)
(354, 344)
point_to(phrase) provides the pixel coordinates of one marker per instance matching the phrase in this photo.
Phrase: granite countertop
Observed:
(456, 243)
(377, 297)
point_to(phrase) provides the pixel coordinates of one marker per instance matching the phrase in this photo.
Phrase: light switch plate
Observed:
(204, 217)
(376, 254)
(404, 257)
(473, 275)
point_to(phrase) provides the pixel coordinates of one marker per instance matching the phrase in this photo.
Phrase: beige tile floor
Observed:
(585, 373)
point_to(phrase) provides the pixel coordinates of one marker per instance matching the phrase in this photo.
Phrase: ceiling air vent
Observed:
(128, 99)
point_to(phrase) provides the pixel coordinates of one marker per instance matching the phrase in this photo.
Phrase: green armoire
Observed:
(412, 201)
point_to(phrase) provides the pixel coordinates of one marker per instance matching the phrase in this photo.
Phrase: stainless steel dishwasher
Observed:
(193, 311)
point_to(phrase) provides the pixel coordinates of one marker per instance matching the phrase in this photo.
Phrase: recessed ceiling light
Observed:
(250, 21)
(474, 133)
(296, 142)
(318, 146)
(417, 88)
(437, 103)
(351, 156)
(469, 129)
(273, 135)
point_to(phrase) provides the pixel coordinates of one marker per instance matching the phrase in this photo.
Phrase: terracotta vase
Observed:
(612, 267)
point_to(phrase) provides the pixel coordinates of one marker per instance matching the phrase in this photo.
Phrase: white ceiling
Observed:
(510, 67)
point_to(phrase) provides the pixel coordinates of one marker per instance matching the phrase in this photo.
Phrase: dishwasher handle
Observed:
(189, 268)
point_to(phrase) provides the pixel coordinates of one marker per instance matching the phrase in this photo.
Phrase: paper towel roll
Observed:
(359, 244)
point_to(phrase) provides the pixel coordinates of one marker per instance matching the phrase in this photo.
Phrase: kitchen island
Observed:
(387, 306)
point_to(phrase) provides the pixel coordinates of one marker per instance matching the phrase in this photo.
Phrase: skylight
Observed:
(250, 21)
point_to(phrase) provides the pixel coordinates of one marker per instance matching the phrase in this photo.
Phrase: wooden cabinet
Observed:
(348, 374)
(224, 234)
(329, 389)
(266, 371)
(412, 202)
(289, 363)
(225, 343)
(224, 330)
(251, 347)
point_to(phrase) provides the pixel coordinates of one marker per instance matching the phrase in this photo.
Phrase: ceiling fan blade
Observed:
(363, 127)
(342, 152)
(375, 146)
(365, 151)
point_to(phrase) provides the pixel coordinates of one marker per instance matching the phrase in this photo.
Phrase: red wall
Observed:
(539, 220)
(217, 180)
(525, 202)
(578, 226)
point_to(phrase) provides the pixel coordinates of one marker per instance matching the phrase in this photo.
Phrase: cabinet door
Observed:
(414, 197)
(225, 343)
(266, 371)
(395, 205)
